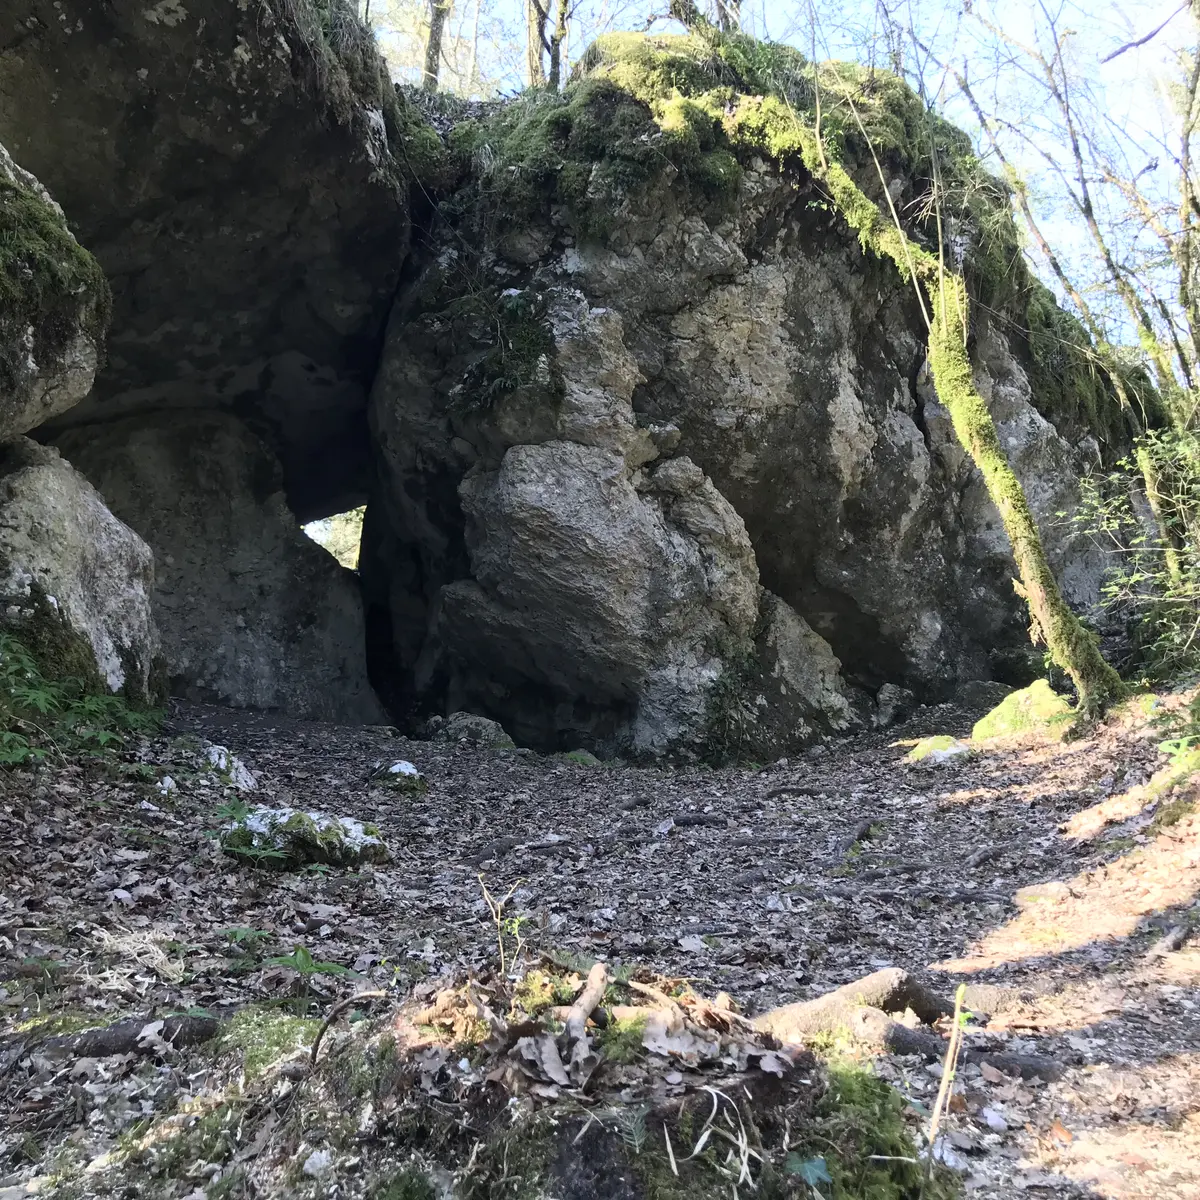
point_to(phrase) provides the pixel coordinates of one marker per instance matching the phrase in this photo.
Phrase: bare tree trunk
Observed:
(472, 62)
(729, 15)
(439, 10)
(536, 17)
(557, 42)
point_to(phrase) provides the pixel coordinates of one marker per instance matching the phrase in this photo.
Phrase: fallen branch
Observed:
(333, 1014)
(592, 994)
(791, 789)
(713, 819)
(862, 831)
(134, 1035)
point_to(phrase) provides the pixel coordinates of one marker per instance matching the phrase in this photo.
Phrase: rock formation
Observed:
(232, 169)
(75, 582)
(753, 380)
(653, 460)
(252, 612)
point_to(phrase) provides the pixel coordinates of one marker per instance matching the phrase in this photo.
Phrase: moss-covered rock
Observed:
(400, 776)
(286, 838)
(54, 306)
(1034, 708)
(938, 750)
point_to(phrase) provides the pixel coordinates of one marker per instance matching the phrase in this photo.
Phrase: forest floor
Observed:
(1039, 865)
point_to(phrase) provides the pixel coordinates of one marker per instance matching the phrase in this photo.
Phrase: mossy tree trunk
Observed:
(536, 17)
(774, 125)
(1071, 646)
(557, 40)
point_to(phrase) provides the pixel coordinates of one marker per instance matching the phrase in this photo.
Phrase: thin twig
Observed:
(335, 1012)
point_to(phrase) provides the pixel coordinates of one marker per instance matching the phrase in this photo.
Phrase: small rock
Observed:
(938, 751)
(893, 704)
(582, 758)
(993, 1120)
(469, 727)
(401, 776)
(166, 785)
(230, 769)
(317, 1163)
(286, 838)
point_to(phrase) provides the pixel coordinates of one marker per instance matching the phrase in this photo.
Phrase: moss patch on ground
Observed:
(264, 1035)
(1034, 708)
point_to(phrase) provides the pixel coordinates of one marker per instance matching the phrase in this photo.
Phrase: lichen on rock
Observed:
(286, 838)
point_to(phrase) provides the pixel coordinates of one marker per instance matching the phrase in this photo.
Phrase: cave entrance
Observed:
(340, 534)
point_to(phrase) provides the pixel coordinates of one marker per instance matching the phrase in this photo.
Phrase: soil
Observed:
(1031, 864)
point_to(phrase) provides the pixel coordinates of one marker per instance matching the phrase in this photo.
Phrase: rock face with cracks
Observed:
(738, 368)
(594, 591)
(53, 306)
(75, 582)
(252, 612)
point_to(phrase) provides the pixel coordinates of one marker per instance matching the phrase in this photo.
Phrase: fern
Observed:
(40, 717)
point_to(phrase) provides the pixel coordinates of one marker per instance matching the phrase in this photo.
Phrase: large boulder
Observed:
(751, 340)
(253, 613)
(240, 172)
(593, 593)
(75, 582)
(54, 305)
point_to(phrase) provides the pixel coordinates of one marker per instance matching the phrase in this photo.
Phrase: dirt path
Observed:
(766, 884)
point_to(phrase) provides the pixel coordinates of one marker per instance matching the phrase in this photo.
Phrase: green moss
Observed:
(263, 1036)
(64, 1021)
(938, 743)
(540, 990)
(582, 758)
(45, 278)
(861, 1133)
(1032, 708)
(1068, 386)
(171, 1148)
(621, 1041)
(60, 653)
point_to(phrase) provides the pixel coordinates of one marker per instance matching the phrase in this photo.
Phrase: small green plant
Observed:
(1182, 729)
(233, 810)
(42, 718)
(244, 939)
(631, 1125)
(305, 966)
(508, 929)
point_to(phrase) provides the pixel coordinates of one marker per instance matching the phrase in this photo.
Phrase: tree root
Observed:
(862, 1010)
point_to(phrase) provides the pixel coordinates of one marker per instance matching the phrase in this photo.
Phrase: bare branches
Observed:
(1148, 37)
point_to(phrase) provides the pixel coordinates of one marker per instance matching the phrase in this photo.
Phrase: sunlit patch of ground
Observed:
(1133, 1134)
(1103, 904)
